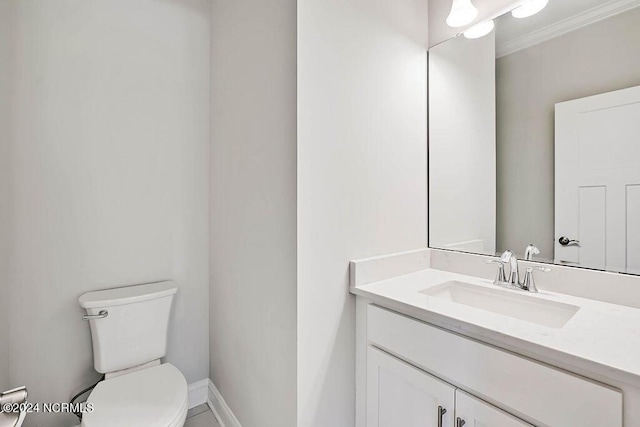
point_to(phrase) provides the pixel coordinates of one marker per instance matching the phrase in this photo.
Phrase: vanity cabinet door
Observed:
(399, 394)
(477, 413)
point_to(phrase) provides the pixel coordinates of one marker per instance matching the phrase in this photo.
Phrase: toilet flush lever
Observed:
(101, 315)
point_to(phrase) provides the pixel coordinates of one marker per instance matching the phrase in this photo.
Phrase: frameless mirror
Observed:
(534, 137)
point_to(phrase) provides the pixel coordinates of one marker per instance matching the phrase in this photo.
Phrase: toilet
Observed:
(129, 335)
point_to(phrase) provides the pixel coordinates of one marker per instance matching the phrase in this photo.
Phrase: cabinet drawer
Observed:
(535, 392)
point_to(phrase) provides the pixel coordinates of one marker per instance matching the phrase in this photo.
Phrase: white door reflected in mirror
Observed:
(598, 181)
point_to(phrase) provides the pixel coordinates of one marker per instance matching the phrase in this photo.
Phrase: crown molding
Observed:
(598, 13)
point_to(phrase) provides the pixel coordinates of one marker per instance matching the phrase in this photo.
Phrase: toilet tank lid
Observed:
(127, 294)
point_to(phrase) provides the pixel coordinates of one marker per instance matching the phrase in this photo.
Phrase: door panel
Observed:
(477, 413)
(399, 394)
(592, 204)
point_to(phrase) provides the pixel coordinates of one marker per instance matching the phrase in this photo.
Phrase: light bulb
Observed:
(463, 12)
(479, 30)
(529, 8)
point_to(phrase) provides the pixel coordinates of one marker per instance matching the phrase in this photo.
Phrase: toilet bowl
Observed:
(155, 396)
(129, 335)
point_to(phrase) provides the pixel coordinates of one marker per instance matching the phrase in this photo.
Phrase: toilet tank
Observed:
(135, 328)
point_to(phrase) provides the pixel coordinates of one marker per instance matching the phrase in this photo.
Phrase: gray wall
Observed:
(354, 149)
(4, 191)
(362, 110)
(109, 178)
(600, 58)
(253, 209)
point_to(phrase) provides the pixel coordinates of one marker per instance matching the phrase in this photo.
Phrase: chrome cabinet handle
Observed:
(565, 241)
(101, 315)
(441, 412)
(460, 422)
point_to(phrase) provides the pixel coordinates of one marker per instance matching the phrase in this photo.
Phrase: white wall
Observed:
(253, 209)
(439, 31)
(462, 145)
(361, 175)
(109, 183)
(599, 58)
(4, 190)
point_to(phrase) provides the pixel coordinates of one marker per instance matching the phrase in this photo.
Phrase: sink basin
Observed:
(507, 303)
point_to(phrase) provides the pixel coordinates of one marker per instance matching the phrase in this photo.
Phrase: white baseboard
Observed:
(198, 393)
(220, 409)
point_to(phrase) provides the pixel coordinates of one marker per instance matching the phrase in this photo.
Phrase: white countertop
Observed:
(601, 339)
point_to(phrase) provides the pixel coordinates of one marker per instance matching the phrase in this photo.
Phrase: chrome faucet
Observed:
(514, 277)
(530, 251)
(512, 280)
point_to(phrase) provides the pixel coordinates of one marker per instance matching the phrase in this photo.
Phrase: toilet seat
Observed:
(155, 396)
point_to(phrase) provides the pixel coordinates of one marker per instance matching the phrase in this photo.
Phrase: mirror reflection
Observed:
(534, 141)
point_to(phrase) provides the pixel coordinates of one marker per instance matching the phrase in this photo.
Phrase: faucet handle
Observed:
(529, 284)
(506, 256)
(500, 276)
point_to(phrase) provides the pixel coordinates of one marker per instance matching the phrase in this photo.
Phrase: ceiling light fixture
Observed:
(463, 12)
(529, 8)
(480, 30)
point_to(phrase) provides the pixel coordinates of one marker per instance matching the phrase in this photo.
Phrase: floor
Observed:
(201, 416)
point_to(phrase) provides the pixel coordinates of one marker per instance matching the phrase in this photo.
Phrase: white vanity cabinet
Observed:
(412, 368)
(401, 395)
